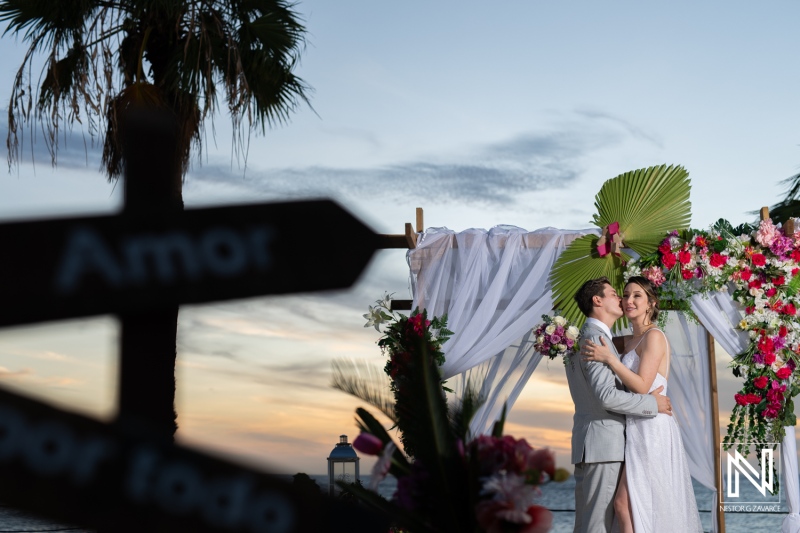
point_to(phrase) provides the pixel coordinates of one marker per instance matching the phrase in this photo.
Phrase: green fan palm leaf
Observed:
(647, 203)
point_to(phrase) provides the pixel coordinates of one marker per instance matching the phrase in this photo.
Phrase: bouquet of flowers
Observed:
(556, 337)
(447, 481)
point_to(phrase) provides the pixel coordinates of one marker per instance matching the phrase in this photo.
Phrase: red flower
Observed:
(492, 516)
(765, 345)
(784, 372)
(783, 331)
(780, 280)
(669, 260)
(796, 256)
(771, 292)
(755, 284)
(750, 309)
(700, 241)
(687, 274)
(769, 358)
(789, 309)
(795, 271)
(665, 248)
(740, 399)
(745, 275)
(717, 260)
(761, 382)
(753, 398)
(684, 257)
(759, 260)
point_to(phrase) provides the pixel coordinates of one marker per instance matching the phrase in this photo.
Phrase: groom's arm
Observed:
(602, 382)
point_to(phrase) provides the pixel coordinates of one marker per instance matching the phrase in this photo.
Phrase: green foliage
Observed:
(96, 53)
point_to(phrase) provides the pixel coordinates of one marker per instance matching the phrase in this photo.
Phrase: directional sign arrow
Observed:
(72, 267)
(81, 471)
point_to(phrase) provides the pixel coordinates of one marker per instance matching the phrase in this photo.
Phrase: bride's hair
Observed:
(650, 291)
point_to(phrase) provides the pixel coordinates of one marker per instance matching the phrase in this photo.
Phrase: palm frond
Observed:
(463, 409)
(647, 203)
(366, 382)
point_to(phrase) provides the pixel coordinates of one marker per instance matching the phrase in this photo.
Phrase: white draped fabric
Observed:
(493, 287)
(691, 402)
(720, 314)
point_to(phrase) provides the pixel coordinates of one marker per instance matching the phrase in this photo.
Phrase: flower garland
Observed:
(447, 481)
(760, 266)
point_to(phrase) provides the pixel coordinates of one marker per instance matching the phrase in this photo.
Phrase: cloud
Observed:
(491, 174)
(11, 375)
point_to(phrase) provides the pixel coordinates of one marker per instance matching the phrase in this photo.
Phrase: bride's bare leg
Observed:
(622, 505)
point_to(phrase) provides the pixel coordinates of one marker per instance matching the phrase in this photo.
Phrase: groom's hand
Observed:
(664, 405)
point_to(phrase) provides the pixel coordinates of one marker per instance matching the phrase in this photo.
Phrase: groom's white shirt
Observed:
(600, 325)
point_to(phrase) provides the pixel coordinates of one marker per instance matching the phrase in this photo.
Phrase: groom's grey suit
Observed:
(598, 432)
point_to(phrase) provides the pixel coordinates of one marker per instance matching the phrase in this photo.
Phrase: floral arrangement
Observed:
(761, 267)
(446, 480)
(555, 336)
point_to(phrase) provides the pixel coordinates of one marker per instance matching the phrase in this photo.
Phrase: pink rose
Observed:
(767, 233)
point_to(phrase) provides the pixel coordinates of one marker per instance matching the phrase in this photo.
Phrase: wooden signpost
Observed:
(74, 267)
(78, 470)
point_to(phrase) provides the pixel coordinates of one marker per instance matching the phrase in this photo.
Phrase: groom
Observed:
(598, 431)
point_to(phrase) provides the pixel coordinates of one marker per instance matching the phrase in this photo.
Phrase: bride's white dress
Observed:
(659, 486)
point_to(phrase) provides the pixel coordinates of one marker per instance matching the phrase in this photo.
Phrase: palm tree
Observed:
(104, 59)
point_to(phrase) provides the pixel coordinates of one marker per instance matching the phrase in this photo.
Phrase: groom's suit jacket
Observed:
(598, 431)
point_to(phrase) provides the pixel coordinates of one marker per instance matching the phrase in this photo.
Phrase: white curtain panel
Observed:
(493, 287)
(689, 392)
(720, 314)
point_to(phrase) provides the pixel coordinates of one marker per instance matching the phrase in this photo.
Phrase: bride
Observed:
(655, 491)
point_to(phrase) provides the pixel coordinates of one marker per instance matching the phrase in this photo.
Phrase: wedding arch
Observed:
(494, 286)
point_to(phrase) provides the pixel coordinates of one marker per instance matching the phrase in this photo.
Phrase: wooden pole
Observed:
(420, 221)
(712, 373)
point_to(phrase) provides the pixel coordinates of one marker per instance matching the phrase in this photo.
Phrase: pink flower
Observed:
(655, 275)
(368, 443)
(767, 233)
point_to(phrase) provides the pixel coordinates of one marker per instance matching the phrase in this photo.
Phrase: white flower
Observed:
(540, 339)
(560, 320)
(374, 318)
(572, 333)
(381, 467)
(561, 347)
(550, 329)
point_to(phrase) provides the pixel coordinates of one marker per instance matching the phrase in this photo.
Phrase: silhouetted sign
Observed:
(79, 470)
(75, 267)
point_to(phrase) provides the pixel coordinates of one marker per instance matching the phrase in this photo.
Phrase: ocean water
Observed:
(558, 497)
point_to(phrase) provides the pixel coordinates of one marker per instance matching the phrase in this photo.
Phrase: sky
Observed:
(510, 113)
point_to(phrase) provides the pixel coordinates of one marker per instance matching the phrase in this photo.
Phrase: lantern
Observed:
(342, 465)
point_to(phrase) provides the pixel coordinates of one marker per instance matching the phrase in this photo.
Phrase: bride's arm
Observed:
(648, 365)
